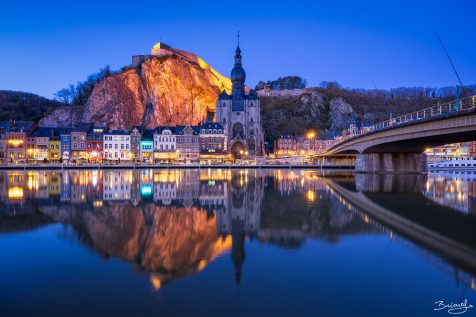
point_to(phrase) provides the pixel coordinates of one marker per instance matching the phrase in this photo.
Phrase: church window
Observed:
(238, 130)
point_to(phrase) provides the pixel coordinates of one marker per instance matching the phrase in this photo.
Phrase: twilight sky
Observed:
(46, 45)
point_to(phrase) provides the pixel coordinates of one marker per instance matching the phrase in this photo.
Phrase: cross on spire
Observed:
(238, 36)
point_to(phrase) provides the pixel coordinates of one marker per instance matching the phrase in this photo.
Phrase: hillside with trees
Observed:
(19, 105)
(329, 108)
(77, 95)
(283, 83)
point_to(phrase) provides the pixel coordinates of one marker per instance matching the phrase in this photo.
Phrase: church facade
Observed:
(239, 113)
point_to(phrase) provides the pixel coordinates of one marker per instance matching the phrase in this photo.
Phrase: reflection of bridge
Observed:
(421, 221)
(397, 145)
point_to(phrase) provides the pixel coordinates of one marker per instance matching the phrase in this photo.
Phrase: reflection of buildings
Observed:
(78, 181)
(165, 186)
(117, 185)
(165, 192)
(457, 191)
(15, 183)
(172, 223)
(188, 188)
(288, 182)
(213, 194)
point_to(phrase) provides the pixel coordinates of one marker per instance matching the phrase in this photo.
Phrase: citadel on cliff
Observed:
(238, 112)
(128, 117)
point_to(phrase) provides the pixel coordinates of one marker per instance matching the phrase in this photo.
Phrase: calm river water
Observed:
(235, 243)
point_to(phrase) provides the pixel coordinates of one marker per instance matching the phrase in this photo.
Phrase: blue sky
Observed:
(46, 45)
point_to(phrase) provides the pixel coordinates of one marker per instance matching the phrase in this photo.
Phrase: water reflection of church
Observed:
(175, 222)
(241, 214)
(230, 199)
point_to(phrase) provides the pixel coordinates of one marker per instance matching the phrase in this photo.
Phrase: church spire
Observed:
(238, 75)
(238, 51)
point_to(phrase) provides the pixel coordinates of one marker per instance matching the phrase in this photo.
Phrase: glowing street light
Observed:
(311, 135)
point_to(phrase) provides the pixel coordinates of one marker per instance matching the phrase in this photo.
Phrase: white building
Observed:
(117, 145)
(165, 144)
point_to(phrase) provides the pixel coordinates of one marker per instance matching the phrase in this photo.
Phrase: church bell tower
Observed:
(239, 113)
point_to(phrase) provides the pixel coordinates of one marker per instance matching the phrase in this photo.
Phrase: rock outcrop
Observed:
(169, 87)
(62, 117)
(340, 114)
(311, 109)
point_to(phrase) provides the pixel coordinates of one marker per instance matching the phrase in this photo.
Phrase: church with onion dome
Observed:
(239, 113)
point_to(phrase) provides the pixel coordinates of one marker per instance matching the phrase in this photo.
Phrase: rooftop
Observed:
(43, 132)
(211, 125)
(117, 132)
(179, 129)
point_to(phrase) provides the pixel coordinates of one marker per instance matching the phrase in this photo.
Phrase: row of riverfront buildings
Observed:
(22, 141)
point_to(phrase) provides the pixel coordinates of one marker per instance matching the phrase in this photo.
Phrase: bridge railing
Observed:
(442, 110)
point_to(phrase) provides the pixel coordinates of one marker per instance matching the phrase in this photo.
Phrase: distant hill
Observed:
(20, 105)
(329, 109)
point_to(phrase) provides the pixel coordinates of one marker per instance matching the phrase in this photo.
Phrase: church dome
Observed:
(238, 74)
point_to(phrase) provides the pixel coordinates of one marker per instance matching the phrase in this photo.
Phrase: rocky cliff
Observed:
(296, 113)
(168, 87)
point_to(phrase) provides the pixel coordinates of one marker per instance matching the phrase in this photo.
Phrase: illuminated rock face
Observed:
(172, 87)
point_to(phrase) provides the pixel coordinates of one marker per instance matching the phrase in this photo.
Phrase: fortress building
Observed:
(239, 113)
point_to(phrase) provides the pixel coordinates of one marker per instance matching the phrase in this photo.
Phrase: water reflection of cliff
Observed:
(173, 222)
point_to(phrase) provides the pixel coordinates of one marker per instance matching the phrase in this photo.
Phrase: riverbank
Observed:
(158, 166)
